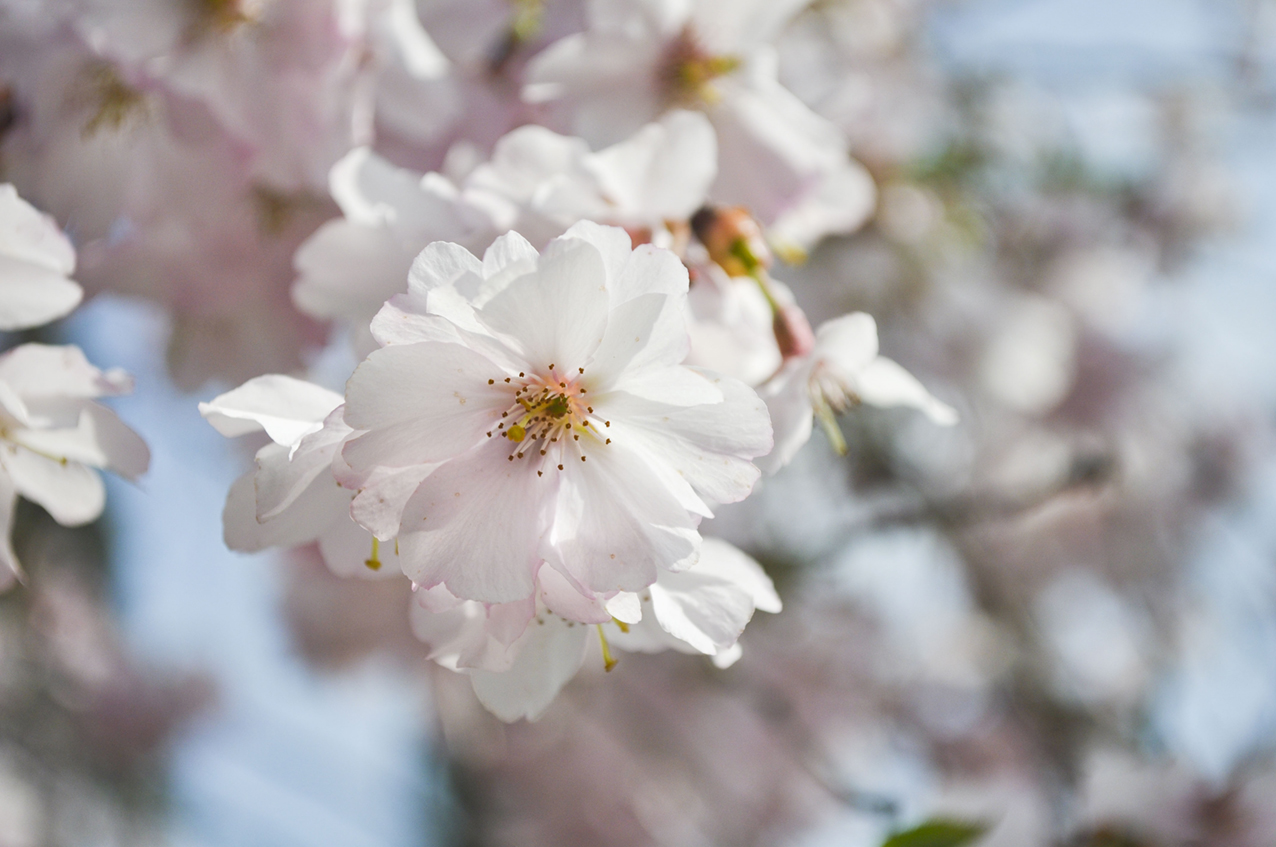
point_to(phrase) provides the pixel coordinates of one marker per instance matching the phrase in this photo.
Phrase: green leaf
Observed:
(938, 833)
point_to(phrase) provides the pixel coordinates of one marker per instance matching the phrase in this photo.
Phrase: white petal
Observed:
(422, 402)
(727, 562)
(10, 568)
(348, 270)
(315, 511)
(847, 343)
(616, 524)
(701, 609)
(43, 370)
(884, 383)
(442, 264)
(99, 439)
(788, 400)
(567, 601)
(551, 655)
(512, 251)
(711, 446)
(475, 525)
(287, 409)
(839, 202)
(558, 314)
(70, 492)
(31, 294)
(30, 236)
(625, 607)
(724, 659)
(378, 505)
(662, 172)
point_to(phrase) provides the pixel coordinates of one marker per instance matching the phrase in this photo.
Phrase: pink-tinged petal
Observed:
(475, 525)
(885, 383)
(548, 658)
(558, 314)
(31, 294)
(710, 446)
(847, 344)
(567, 601)
(423, 402)
(403, 320)
(506, 622)
(458, 637)
(378, 505)
(727, 562)
(10, 568)
(70, 492)
(616, 524)
(287, 409)
(788, 399)
(99, 439)
(319, 507)
(44, 370)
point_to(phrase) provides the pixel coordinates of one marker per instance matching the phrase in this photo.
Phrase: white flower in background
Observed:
(52, 436)
(537, 182)
(35, 261)
(292, 496)
(545, 395)
(353, 264)
(786, 164)
(843, 369)
(520, 655)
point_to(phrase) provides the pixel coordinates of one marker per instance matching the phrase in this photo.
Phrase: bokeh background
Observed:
(1057, 619)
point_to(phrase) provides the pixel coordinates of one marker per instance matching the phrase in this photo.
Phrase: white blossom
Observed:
(545, 395)
(52, 436)
(841, 370)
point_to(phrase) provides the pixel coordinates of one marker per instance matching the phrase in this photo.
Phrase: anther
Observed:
(491, 382)
(608, 423)
(560, 467)
(540, 473)
(507, 379)
(551, 366)
(608, 441)
(582, 458)
(520, 373)
(511, 458)
(582, 370)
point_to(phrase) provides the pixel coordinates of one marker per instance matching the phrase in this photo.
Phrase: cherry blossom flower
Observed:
(550, 436)
(843, 369)
(786, 164)
(52, 435)
(35, 261)
(519, 655)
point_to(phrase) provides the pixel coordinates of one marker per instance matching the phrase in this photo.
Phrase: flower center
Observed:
(550, 418)
(689, 71)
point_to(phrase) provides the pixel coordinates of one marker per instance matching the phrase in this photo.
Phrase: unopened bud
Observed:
(793, 333)
(733, 238)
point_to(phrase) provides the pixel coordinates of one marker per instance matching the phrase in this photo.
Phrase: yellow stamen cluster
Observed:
(550, 413)
(111, 101)
(689, 71)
